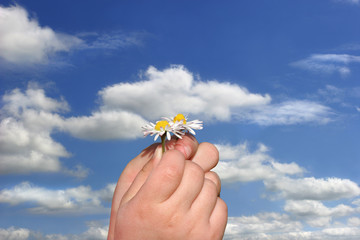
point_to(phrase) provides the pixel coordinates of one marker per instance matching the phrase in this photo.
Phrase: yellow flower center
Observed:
(180, 117)
(161, 124)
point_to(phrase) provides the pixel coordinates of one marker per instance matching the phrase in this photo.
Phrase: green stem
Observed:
(163, 137)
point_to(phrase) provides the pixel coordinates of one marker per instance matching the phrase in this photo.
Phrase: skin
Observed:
(169, 196)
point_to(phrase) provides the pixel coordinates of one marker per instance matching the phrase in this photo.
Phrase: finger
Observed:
(164, 179)
(142, 176)
(187, 145)
(125, 180)
(206, 200)
(207, 156)
(133, 168)
(129, 174)
(219, 218)
(214, 177)
(190, 186)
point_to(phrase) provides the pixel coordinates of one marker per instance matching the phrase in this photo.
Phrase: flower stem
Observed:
(163, 137)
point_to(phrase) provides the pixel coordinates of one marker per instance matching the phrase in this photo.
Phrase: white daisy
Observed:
(158, 129)
(182, 123)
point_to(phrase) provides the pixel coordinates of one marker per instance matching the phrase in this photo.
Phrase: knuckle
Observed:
(211, 187)
(214, 177)
(171, 172)
(194, 169)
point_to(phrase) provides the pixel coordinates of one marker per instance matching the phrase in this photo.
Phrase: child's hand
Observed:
(168, 197)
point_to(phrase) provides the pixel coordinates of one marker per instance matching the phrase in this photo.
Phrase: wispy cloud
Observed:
(348, 1)
(111, 41)
(328, 63)
(288, 113)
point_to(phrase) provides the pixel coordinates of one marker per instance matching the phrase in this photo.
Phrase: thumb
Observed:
(142, 176)
(165, 178)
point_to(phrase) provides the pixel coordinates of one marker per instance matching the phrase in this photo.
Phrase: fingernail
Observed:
(157, 155)
(187, 150)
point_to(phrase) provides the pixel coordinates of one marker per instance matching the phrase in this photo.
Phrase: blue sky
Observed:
(275, 82)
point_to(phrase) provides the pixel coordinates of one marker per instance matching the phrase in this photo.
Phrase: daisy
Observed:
(177, 126)
(159, 129)
(180, 121)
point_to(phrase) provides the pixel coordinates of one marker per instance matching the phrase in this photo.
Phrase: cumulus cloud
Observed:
(277, 226)
(238, 163)
(94, 232)
(13, 233)
(105, 125)
(304, 198)
(27, 121)
(354, 222)
(315, 213)
(79, 200)
(313, 188)
(328, 63)
(260, 226)
(29, 118)
(24, 41)
(175, 89)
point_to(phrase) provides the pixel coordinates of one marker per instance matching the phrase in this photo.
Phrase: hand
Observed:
(170, 198)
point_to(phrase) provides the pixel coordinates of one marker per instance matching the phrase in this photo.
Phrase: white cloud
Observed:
(356, 202)
(260, 226)
(328, 63)
(313, 188)
(173, 90)
(79, 200)
(27, 121)
(13, 233)
(354, 222)
(288, 113)
(237, 163)
(303, 198)
(24, 41)
(348, 1)
(30, 118)
(111, 41)
(332, 93)
(315, 213)
(342, 233)
(94, 232)
(277, 226)
(105, 125)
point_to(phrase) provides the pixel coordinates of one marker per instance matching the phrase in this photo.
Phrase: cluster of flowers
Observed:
(178, 126)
